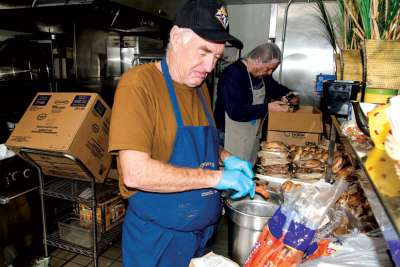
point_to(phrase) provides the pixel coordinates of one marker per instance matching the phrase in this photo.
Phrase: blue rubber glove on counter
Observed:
(235, 163)
(238, 181)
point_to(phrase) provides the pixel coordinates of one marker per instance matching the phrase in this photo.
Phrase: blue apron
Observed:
(168, 229)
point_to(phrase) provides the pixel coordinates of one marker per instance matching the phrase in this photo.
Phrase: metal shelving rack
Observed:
(69, 189)
(5, 199)
(386, 215)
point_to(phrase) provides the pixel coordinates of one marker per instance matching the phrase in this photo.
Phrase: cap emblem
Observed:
(222, 16)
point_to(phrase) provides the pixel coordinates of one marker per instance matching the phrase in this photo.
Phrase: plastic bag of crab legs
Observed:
(289, 235)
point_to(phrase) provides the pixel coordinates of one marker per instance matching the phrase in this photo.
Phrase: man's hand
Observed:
(235, 163)
(291, 98)
(278, 106)
(238, 181)
(295, 100)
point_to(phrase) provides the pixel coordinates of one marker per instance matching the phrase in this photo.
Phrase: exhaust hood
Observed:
(11, 4)
(35, 16)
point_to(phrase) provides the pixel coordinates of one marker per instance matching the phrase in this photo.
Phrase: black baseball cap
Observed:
(207, 18)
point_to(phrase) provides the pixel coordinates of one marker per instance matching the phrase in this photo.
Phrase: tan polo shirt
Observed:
(143, 118)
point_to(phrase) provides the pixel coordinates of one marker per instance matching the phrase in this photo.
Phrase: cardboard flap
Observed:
(306, 119)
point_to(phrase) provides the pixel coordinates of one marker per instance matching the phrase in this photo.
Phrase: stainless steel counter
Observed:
(382, 188)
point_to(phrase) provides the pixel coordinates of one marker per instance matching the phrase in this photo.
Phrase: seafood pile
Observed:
(354, 201)
(264, 189)
(309, 162)
(273, 159)
(351, 209)
(301, 162)
(357, 138)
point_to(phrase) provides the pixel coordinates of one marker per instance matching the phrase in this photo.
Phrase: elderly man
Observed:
(167, 144)
(244, 95)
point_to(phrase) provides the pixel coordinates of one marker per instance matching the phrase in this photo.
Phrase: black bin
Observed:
(337, 96)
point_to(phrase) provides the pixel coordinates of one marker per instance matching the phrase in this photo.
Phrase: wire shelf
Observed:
(107, 238)
(75, 190)
(70, 189)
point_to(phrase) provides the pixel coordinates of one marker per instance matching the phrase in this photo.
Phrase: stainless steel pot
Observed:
(246, 219)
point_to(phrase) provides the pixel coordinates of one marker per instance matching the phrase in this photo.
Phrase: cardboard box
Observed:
(297, 128)
(76, 124)
(109, 213)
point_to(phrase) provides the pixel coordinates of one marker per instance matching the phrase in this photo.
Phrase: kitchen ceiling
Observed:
(125, 15)
(33, 16)
(159, 8)
(167, 9)
(9, 4)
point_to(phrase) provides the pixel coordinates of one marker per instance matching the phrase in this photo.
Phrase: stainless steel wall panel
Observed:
(128, 55)
(91, 53)
(138, 50)
(113, 55)
(307, 52)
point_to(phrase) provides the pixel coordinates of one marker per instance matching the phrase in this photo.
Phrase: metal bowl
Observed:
(246, 219)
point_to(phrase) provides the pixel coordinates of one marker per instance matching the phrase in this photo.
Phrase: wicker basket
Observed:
(339, 73)
(352, 65)
(382, 58)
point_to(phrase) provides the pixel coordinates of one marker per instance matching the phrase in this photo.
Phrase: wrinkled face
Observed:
(196, 58)
(263, 69)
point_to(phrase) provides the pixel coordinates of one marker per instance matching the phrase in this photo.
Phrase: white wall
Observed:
(249, 23)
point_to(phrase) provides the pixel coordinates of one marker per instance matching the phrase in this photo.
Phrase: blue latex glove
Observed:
(235, 163)
(238, 181)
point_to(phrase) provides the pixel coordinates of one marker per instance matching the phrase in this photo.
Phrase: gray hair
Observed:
(186, 35)
(265, 52)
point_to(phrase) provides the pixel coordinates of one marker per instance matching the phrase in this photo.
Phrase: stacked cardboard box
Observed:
(109, 213)
(72, 124)
(297, 128)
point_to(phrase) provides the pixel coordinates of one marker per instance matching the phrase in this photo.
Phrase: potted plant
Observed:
(374, 27)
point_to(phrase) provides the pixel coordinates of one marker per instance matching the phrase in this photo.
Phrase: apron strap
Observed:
(171, 91)
(209, 117)
(252, 88)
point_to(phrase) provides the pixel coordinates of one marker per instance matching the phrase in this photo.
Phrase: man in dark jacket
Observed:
(246, 92)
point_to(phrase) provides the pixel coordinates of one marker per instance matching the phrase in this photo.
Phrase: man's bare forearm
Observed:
(142, 172)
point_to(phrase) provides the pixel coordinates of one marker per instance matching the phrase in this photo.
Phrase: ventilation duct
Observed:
(43, 15)
(13, 4)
